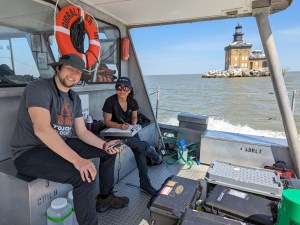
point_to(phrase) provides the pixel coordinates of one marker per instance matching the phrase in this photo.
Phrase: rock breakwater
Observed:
(231, 73)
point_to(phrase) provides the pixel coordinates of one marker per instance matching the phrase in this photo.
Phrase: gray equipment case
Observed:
(250, 179)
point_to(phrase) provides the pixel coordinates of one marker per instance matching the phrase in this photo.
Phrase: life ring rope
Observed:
(67, 32)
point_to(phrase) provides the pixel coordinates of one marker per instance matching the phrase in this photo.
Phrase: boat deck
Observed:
(137, 213)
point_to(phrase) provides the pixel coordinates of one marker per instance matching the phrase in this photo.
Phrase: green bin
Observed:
(289, 212)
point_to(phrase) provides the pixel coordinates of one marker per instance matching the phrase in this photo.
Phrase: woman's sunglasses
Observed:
(124, 88)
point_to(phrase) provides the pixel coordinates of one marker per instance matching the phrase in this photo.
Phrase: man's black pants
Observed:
(44, 163)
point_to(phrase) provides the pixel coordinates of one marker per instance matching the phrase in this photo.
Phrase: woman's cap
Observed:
(124, 81)
(71, 60)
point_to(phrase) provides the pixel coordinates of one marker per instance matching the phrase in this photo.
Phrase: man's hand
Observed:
(86, 168)
(113, 150)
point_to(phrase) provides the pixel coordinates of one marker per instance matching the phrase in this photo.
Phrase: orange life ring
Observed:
(64, 20)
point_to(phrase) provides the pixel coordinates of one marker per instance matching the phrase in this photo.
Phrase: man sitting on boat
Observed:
(44, 143)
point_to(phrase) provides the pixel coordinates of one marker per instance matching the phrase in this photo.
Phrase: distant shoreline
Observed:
(197, 74)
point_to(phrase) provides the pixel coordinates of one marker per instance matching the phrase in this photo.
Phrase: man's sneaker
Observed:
(149, 190)
(153, 157)
(111, 202)
(154, 161)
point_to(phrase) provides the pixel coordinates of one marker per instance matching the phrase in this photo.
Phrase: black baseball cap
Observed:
(72, 60)
(124, 81)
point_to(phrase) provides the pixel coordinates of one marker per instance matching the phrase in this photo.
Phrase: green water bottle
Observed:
(289, 212)
(59, 212)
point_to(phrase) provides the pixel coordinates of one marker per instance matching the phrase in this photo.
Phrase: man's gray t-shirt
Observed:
(63, 108)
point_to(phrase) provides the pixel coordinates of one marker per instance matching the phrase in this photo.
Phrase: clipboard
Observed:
(115, 132)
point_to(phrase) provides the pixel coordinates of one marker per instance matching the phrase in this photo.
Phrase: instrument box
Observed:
(239, 205)
(250, 179)
(174, 197)
(193, 217)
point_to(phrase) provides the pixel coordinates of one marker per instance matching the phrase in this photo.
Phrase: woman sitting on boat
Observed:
(119, 111)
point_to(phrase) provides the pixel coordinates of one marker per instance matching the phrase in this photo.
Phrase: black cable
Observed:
(93, 55)
(77, 35)
(104, 53)
(103, 60)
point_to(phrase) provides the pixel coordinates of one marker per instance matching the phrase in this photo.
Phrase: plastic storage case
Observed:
(175, 196)
(239, 205)
(192, 217)
(251, 179)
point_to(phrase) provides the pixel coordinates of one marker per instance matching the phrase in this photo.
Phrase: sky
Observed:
(195, 48)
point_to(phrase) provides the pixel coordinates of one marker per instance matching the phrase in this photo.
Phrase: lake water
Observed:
(244, 105)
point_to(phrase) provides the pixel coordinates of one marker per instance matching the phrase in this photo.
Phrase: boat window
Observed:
(17, 64)
(107, 70)
(24, 54)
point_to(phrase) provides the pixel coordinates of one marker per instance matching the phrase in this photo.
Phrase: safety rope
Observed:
(77, 34)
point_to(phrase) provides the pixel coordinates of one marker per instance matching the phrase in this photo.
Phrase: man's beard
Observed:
(64, 82)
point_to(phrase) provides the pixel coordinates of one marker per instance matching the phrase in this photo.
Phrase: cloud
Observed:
(292, 32)
(201, 45)
(180, 64)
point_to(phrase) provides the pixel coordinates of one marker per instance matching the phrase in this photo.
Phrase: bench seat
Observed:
(30, 197)
(24, 199)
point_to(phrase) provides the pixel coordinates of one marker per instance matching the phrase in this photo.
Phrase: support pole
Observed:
(11, 56)
(293, 101)
(280, 89)
(157, 102)
(94, 73)
(156, 115)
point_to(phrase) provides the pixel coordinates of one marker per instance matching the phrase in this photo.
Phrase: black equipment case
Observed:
(192, 217)
(239, 205)
(175, 196)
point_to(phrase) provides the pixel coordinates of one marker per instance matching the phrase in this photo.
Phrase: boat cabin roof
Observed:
(135, 13)
(154, 12)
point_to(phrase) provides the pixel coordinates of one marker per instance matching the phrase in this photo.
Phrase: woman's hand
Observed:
(113, 150)
(124, 126)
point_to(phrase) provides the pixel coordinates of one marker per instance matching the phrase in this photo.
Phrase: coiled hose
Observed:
(170, 137)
